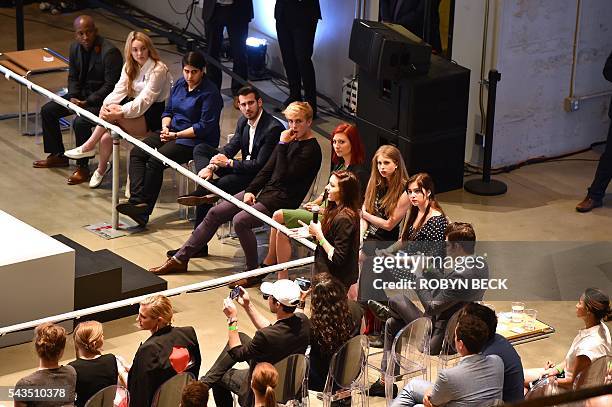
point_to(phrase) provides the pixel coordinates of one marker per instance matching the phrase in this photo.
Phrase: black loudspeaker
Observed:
(441, 157)
(388, 51)
(424, 116)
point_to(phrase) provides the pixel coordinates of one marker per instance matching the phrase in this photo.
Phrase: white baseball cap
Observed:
(286, 292)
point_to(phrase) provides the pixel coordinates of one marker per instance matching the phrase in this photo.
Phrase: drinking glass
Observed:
(517, 311)
(529, 319)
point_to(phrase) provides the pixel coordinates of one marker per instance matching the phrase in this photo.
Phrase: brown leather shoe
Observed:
(249, 282)
(589, 203)
(52, 161)
(170, 266)
(81, 175)
(194, 200)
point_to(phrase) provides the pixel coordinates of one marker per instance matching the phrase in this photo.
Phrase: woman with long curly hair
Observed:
(263, 383)
(334, 320)
(136, 103)
(338, 231)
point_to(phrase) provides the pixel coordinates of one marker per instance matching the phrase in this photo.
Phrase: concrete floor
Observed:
(539, 207)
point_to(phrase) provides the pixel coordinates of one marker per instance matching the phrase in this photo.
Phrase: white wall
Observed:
(533, 52)
(331, 42)
(467, 51)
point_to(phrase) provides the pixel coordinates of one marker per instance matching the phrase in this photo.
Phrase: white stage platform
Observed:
(36, 277)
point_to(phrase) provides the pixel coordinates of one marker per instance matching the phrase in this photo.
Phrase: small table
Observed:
(29, 63)
(516, 333)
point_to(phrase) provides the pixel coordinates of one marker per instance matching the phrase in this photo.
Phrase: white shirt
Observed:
(252, 128)
(593, 343)
(151, 85)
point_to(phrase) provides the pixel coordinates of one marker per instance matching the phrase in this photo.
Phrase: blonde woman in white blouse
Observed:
(135, 104)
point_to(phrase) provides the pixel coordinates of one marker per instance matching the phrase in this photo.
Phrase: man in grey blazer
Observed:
(475, 380)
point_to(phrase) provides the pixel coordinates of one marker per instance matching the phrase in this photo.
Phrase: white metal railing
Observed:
(118, 133)
(201, 286)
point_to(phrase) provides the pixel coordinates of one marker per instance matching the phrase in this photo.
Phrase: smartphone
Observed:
(235, 293)
(303, 283)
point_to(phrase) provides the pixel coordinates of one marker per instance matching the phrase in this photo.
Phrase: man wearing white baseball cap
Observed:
(271, 343)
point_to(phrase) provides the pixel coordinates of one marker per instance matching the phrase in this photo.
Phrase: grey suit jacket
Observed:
(475, 379)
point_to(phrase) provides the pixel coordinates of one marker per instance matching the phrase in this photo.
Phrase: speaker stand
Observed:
(487, 186)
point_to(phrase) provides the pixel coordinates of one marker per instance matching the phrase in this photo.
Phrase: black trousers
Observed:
(230, 182)
(237, 30)
(50, 114)
(296, 45)
(224, 380)
(147, 172)
(603, 175)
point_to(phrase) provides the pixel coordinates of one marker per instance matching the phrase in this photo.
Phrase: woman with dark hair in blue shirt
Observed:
(191, 117)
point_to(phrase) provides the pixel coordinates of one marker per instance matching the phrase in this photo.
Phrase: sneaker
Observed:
(96, 177)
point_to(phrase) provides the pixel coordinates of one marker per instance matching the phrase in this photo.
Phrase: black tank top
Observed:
(94, 375)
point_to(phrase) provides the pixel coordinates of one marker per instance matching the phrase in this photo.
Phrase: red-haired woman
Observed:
(347, 154)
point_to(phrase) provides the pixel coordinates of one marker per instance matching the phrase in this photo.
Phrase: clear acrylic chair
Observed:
(169, 393)
(111, 396)
(292, 386)
(348, 372)
(409, 355)
(543, 388)
(448, 354)
(185, 186)
(598, 373)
